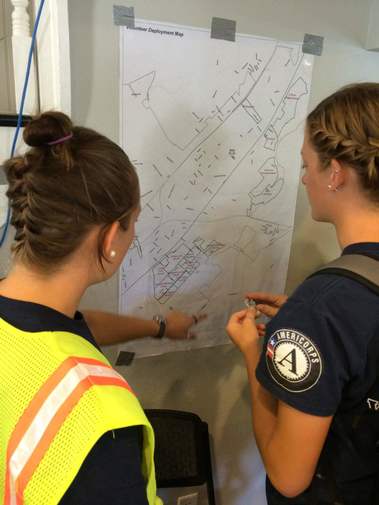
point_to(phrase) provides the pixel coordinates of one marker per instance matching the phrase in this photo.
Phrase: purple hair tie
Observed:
(61, 140)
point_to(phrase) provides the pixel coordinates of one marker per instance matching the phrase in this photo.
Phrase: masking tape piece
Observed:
(125, 358)
(313, 44)
(123, 16)
(224, 29)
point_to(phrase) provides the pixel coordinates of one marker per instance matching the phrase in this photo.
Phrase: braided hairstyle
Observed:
(345, 127)
(58, 192)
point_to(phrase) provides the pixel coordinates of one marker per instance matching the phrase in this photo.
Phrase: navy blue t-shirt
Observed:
(317, 343)
(111, 473)
(316, 351)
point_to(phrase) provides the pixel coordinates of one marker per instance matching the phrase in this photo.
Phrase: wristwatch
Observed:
(162, 325)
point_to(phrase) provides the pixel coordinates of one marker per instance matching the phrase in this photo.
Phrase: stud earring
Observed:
(329, 187)
(112, 254)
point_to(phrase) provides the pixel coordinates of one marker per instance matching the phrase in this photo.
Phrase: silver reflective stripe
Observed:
(12, 492)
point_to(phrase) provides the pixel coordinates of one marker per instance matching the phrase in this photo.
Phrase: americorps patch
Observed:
(293, 360)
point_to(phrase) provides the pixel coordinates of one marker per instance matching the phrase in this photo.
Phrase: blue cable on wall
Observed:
(19, 118)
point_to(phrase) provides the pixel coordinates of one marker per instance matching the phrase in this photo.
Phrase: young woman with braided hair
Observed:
(315, 385)
(72, 430)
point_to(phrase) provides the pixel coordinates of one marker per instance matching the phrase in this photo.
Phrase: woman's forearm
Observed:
(108, 328)
(264, 405)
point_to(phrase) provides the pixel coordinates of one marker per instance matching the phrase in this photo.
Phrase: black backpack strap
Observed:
(358, 267)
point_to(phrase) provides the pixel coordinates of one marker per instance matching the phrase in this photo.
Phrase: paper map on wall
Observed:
(214, 129)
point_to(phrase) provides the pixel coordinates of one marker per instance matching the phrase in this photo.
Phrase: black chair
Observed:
(182, 451)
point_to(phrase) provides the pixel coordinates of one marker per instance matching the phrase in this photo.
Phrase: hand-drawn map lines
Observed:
(226, 118)
(178, 277)
(219, 109)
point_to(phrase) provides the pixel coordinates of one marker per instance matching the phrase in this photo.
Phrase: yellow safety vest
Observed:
(58, 396)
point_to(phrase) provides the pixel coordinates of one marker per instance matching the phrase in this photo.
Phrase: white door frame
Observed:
(52, 90)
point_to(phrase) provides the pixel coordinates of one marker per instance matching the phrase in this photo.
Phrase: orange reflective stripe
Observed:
(45, 415)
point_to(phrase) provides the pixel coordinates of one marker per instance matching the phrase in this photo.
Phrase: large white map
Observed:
(214, 129)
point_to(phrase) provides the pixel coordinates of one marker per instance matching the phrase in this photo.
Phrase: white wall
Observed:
(6, 137)
(7, 102)
(212, 382)
(372, 41)
(7, 94)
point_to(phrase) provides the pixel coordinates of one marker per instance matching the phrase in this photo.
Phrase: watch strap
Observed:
(162, 326)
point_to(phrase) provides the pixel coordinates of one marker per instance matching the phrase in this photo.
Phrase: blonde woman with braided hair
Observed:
(72, 430)
(315, 384)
